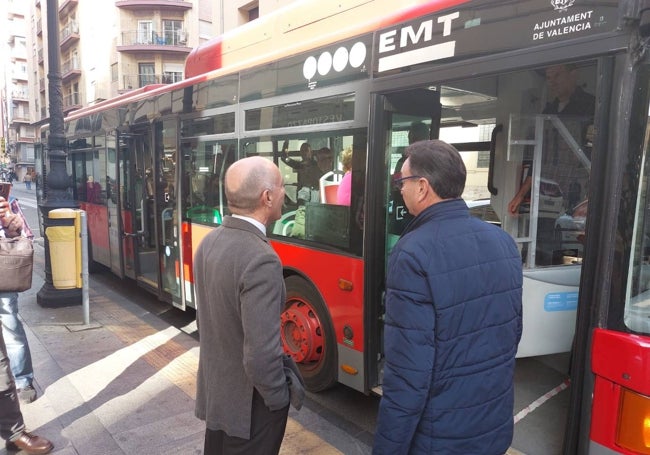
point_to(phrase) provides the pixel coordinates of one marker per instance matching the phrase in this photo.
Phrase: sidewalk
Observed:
(125, 384)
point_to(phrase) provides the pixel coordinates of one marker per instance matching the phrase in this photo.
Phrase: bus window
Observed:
(312, 170)
(206, 162)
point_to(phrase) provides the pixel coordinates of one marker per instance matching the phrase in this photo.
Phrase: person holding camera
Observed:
(12, 425)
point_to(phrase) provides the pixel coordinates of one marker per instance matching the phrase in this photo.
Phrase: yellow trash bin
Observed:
(64, 248)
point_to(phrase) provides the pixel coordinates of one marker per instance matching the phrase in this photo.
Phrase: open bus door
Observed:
(125, 186)
(113, 206)
(140, 232)
(409, 116)
(497, 124)
(151, 237)
(167, 211)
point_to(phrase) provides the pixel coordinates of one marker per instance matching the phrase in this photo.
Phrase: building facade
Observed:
(18, 135)
(109, 47)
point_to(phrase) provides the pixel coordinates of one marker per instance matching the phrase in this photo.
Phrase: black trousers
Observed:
(267, 432)
(11, 419)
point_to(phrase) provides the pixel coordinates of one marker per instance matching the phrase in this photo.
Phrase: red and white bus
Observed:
(148, 168)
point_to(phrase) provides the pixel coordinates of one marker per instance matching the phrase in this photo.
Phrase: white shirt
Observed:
(253, 221)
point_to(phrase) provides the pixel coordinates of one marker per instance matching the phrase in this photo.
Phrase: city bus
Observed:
(314, 80)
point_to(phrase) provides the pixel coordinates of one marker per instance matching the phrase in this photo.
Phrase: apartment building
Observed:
(18, 135)
(109, 47)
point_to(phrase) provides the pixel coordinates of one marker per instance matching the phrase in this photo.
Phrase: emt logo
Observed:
(411, 45)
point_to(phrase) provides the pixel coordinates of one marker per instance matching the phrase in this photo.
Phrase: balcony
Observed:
(19, 95)
(39, 27)
(134, 81)
(19, 115)
(66, 7)
(19, 76)
(41, 84)
(149, 5)
(69, 34)
(43, 112)
(70, 69)
(41, 55)
(71, 101)
(173, 42)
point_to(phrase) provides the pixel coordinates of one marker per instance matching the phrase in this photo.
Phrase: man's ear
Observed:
(267, 197)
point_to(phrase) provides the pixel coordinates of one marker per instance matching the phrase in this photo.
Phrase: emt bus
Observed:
(148, 167)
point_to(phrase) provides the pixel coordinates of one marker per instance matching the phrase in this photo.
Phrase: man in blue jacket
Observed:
(453, 319)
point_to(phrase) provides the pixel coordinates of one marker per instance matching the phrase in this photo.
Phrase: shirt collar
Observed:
(253, 221)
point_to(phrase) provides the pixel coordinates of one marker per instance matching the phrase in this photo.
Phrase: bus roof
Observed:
(295, 28)
(302, 26)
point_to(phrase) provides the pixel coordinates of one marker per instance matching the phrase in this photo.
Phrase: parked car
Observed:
(481, 208)
(570, 228)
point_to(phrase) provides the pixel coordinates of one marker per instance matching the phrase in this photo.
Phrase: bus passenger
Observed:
(569, 100)
(244, 382)
(418, 131)
(344, 192)
(452, 322)
(564, 176)
(307, 169)
(325, 160)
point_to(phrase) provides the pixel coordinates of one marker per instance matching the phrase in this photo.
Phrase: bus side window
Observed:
(318, 215)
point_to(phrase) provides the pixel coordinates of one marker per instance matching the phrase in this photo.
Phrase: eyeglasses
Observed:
(399, 183)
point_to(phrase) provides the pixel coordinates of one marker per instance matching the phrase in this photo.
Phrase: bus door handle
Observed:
(139, 236)
(493, 146)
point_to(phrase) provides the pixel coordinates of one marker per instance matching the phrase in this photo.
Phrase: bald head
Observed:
(246, 182)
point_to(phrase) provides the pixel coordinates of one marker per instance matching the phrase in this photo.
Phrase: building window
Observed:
(145, 32)
(173, 33)
(483, 159)
(114, 72)
(169, 77)
(249, 12)
(146, 74)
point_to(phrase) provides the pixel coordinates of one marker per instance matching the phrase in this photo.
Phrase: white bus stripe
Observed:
(540, 401)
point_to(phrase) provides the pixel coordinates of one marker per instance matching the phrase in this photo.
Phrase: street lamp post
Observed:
(58, 180)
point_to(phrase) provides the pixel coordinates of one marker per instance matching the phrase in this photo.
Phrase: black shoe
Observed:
(30, 444)
(27, 394)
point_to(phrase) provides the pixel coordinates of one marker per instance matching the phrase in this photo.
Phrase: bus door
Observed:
(411, 116)
(141, 234)
(125, 194)
(509, 138)
(113, 206)
(167, 213)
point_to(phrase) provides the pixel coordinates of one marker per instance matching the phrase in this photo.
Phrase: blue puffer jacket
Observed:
(453, 322)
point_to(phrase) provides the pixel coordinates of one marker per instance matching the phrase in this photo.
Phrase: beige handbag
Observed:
(16, 264)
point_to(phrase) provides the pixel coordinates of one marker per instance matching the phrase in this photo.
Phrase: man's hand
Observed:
(11, 223)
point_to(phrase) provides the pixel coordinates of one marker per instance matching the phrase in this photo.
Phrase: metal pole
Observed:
(84, 268)
(57, 179)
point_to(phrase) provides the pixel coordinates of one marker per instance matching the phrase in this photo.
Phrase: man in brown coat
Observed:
(242, 390)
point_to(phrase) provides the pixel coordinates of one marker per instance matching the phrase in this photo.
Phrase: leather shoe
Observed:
(30, 444)
(27, 394)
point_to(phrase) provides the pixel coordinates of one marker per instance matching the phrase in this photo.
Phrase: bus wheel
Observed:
(308, 336)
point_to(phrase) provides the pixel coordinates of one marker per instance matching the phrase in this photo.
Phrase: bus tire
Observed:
(308, 335)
